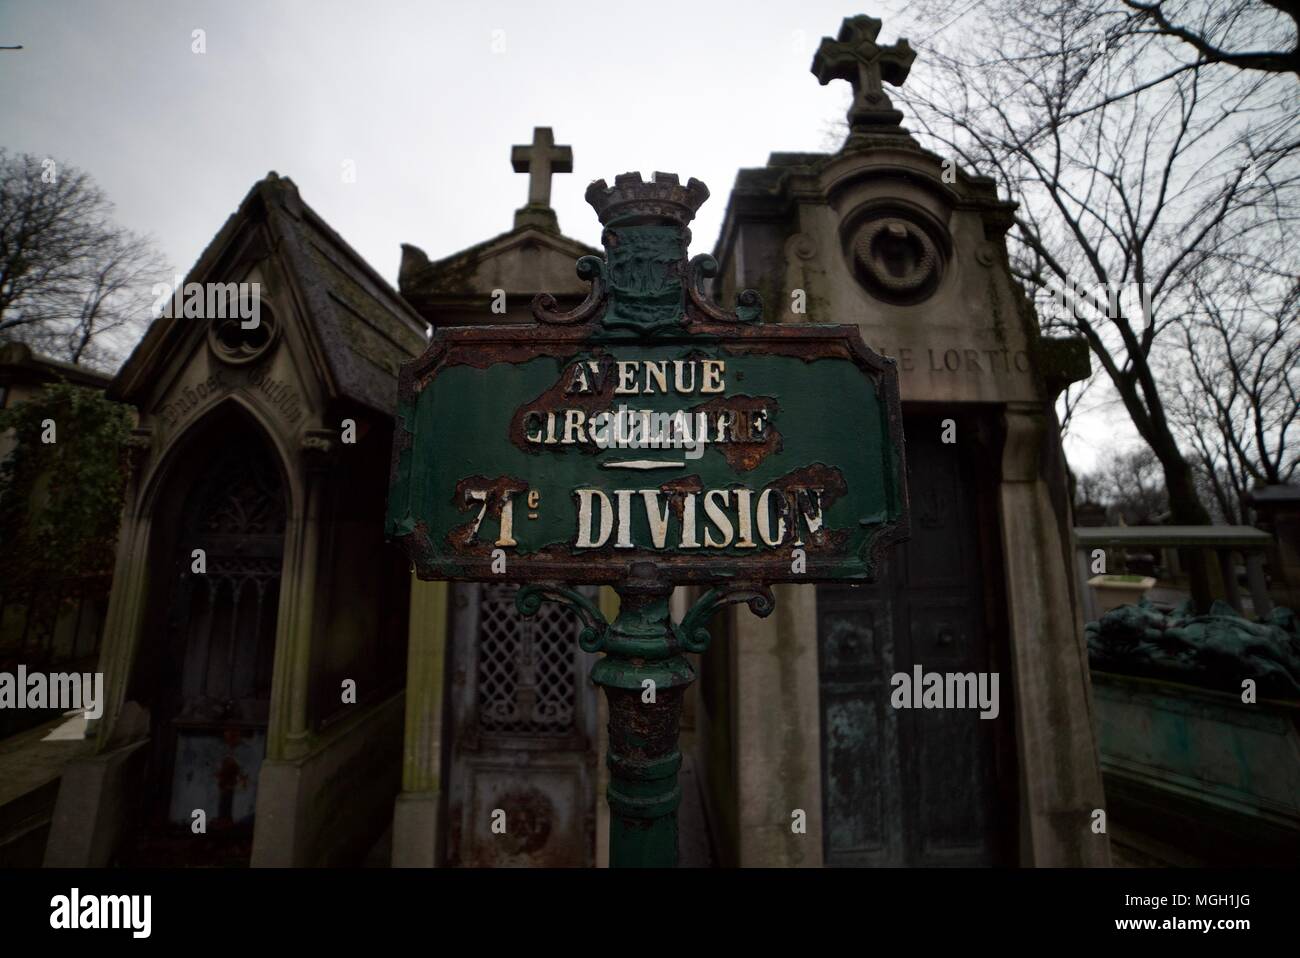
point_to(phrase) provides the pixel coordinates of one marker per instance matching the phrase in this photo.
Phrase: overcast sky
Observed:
(425, 99)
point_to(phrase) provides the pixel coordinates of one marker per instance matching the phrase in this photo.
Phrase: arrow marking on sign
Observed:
(642, 464)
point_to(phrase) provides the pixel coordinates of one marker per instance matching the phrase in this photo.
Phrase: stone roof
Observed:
(523, 261)
(363, 328)
(1282, 493)
(19, 364)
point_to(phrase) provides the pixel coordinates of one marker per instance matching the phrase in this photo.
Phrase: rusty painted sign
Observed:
(648, 425)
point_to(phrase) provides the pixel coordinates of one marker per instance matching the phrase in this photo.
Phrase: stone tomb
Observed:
(261, 686)
(795, 710)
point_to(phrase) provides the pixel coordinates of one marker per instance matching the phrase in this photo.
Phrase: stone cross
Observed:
(856, 57)
(539, 161)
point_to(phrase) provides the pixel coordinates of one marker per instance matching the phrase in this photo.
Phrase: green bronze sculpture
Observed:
(1217, 650)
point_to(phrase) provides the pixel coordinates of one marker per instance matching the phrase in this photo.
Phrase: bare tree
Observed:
(1239, 33)
(1238, 398)
(1130, 175)
(1130, 485)
(72, 282)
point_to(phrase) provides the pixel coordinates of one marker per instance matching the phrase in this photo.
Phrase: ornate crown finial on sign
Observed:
(631, 198)
(856, 57)
(644, 285)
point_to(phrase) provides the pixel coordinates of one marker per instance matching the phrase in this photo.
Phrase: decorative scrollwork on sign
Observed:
(692, 631)
(590, 269)
(592, 637)
(749, 304)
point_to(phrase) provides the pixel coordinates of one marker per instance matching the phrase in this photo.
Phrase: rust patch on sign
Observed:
(497, 490)
(513, 351)
(794, 488)
(561, 396)
(676, 491)
(807, 350)
(744, 453)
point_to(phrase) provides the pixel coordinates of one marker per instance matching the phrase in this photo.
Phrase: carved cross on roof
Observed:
(856, 57)
(539, 161)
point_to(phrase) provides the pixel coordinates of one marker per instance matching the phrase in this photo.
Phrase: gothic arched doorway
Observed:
(208, 687)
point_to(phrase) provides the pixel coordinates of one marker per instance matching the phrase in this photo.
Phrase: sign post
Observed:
(644, 439)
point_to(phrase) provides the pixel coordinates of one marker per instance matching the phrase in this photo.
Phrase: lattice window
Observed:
(528, 667)
(229, 611)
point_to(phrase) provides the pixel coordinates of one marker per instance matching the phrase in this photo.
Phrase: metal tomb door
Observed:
(918, 786)
(209, 733)
(523, 734)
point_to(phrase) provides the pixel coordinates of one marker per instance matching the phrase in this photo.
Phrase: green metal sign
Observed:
(647, 438)
(648, 425)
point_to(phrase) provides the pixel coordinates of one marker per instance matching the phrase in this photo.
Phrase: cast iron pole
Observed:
(645, 677)
(645, 674)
